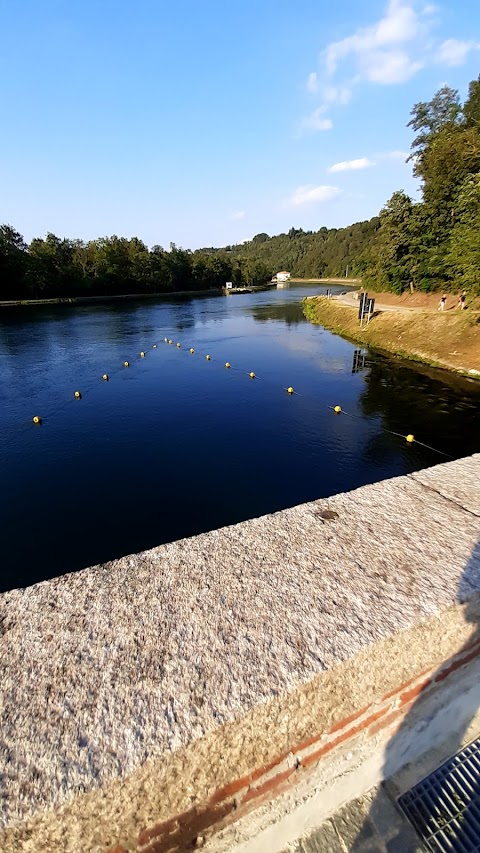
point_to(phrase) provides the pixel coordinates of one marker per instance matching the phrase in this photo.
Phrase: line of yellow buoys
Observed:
(410, 439)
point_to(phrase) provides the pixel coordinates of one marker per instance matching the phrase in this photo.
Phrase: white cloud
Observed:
(238, 214)
(317, 120)
(390, 66)
(379, 51)
(312, 82)
(310, 194)
(337, 94)
(352, 165)
(401, 156)
(455, 52)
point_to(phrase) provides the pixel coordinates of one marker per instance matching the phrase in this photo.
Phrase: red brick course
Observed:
(307, 760)
(457, 664)
(395, 716)
(269, 785)
(415, 691)
(406, 684)
(347, 720)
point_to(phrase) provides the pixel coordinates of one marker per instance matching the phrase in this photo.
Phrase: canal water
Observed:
(174, 444)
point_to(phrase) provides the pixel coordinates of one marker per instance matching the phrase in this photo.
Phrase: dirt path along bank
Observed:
(449, 339)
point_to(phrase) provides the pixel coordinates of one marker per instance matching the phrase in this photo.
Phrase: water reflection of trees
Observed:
(289, 313)
(441, 412)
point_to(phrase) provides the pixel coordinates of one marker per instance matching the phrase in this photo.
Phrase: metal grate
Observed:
(445, 807)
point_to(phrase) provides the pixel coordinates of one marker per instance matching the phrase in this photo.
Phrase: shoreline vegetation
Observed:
(444, 340)
(106, 299)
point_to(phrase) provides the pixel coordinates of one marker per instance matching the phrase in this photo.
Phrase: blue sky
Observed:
(203, 122)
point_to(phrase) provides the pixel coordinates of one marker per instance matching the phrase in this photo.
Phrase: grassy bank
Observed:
(450, 341)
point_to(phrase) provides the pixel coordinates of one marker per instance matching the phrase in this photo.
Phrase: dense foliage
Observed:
(432, 244)
(313, 254)
(55, 268)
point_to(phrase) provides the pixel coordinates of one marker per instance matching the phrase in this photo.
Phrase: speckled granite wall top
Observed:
(118, 665)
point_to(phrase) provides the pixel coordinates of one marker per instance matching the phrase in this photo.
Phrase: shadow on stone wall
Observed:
(398, 751)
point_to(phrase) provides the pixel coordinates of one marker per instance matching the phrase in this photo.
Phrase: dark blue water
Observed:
(175, 444)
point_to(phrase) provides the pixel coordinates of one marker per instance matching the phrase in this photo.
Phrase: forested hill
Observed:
(313, 254)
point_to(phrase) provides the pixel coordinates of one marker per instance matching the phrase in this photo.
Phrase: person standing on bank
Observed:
(441, 306)
(462, 301)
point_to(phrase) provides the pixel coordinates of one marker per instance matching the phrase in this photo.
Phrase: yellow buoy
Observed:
(208, 357)
(170, 342)
(37, 420)
(105, 377)
(78, 395)
(252, 375)
(227, 364)
(178, 345)
(410, 438)
(290, 389)
(192, 350)
(142, 355)
(126, 364)
(154, 346)
(337, 410)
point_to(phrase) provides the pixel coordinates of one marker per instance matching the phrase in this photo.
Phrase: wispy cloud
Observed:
(361, 163)
(352, 165)
(379, 53)
(316, 121)
(454, 51)
(310, 194)
(388, 51)
(238, 214)
(312, 82)
(337, 94)
(401, 156)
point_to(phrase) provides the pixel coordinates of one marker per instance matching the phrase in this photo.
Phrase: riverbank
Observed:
(348, 282)
(105, 300)
(449, 341)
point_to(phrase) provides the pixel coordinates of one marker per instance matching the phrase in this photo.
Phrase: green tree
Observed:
(393, 263)
(464, 252)
(13, 264)
(428, 118)
(471, 107)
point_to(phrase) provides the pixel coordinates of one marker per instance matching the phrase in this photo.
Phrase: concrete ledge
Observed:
(150, 700)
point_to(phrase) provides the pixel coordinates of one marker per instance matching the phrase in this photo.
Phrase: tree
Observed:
(471, 107)
(428, 118)
(13, 263)
(464, 253)
(392, 260)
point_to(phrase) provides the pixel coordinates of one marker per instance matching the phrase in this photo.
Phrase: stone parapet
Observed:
(149, 702)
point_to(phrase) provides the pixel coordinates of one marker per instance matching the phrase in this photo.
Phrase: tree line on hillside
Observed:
(314, 254)
(432, 244)
(56, 268)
